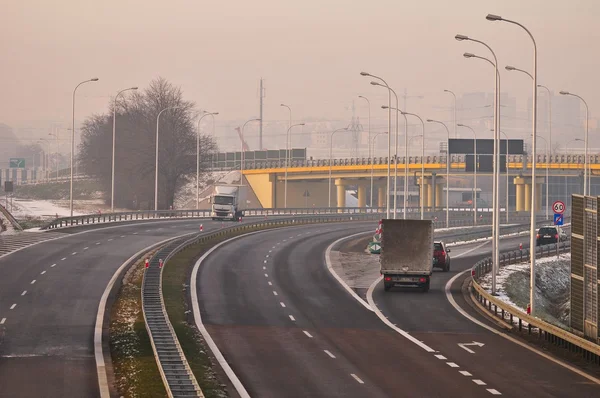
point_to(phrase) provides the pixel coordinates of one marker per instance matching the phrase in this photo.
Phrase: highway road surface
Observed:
(287, 328)
(49, 296)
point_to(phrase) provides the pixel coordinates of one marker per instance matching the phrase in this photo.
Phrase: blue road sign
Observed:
(558, 219)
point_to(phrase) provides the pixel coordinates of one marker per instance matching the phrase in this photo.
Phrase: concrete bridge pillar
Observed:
(538, 197)
(381, 195)
(341, 192)
(520, 193)
(362, 195)
(430, 192)
(527, 197)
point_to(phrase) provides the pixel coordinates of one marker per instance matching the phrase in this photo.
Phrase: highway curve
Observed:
(510, 369)
(49, 297)
(288, 328)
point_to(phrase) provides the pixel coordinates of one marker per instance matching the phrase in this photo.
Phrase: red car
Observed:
(441, 258)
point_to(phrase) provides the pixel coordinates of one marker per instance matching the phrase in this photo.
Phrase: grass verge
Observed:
(135, 368)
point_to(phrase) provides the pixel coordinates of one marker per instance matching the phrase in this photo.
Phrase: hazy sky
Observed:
(309, 52)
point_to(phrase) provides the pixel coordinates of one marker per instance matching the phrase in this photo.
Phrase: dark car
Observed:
(441, 258)
(549, 235)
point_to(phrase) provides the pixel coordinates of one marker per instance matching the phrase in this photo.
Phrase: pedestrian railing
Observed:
(523, 322)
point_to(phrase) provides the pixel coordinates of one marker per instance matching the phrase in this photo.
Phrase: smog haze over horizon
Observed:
(309, 52)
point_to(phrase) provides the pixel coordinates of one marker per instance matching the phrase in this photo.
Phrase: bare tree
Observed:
(136, 146)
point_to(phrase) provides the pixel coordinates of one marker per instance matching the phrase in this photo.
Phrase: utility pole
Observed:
(260, 129)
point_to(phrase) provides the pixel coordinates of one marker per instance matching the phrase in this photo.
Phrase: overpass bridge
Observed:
(311, 177)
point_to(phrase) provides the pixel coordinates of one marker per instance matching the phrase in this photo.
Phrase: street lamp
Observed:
(287, 161)
(112, 183)
(156, 166)
(370, 152)
(495, 215)
(586, 187)
(422, 161)
(547, 180)
(330, 162)
(405, 160)
(94, 79)
(447, 170)
(242, 149)
(213, 114)
(454, 95)
(492, 17)
(474, 172)
(549, 116)
(512, 68)
(567, 151)
(387, 210)
(287, 154)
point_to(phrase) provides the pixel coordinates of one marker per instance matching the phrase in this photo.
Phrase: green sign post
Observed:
(375, 247)
(17, 163)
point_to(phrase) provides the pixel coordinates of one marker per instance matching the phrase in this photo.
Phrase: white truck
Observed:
(406, 257)
(228, 202)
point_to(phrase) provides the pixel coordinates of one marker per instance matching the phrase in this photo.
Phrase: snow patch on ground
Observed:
(553, 284)
(23, 208)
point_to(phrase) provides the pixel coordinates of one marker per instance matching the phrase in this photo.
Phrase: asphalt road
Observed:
(288, 328)
(511, 370)
(49, 297)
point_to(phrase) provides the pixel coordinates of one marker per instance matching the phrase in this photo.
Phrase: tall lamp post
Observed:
(474, 172)
(287, 161)
(94, 79)
(547, 181)
(242, 149)
(491, 17)
(549, 116)
(586, 187)
(112, 178)
(454, 95)
(447, 169)
(370, 151)
(387, 202)
(213, 114)
(495, 215)
(405, 162)
(330, 162)
(395, 151)
(422, 161)
(567, 151)
(156, 165)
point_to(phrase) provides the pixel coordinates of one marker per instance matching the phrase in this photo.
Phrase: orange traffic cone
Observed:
(147, 264)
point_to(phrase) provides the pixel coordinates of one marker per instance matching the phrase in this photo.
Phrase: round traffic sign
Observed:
(558, 207)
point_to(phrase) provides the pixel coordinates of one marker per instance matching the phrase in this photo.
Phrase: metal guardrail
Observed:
(588, 350)
(10, 218)
(567, 159)
(175, 371)
(431, 213)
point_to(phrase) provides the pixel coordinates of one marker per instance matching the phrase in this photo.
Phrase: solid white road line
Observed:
(305, 332)
(464, 373)
(390, 324)
(33, 281)
(479, 382)
(494, 391)
(337, 277)
(4, 320)
(464, 313)
(12, 307)
(292, 318)
(357, 378)
(329, 353)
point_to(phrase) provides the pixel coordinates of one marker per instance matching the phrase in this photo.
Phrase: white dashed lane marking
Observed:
(274, 293)
(292, 318)
(452, 364)
(2, 321)
(43, 272)
(110, 240)
(440, 357)
(282, 304)
(85, 248)
(74, 253)
(63, 259)
(24, 292)
(357, 378)
(308, 334)
(465, 373)
(53, 265)
(33, 281)
(479, 382)
(494, 392)
(266, 275)
(270, 284)
(329, 353)
(12, 307)
(97, 243)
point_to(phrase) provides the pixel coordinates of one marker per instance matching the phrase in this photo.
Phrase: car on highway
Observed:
(441, 258)
(549, 235)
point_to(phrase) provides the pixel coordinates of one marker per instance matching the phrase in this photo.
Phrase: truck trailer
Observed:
(406, 253)
(228, 202)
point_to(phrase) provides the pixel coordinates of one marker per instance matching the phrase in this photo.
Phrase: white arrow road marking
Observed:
(475, 343)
